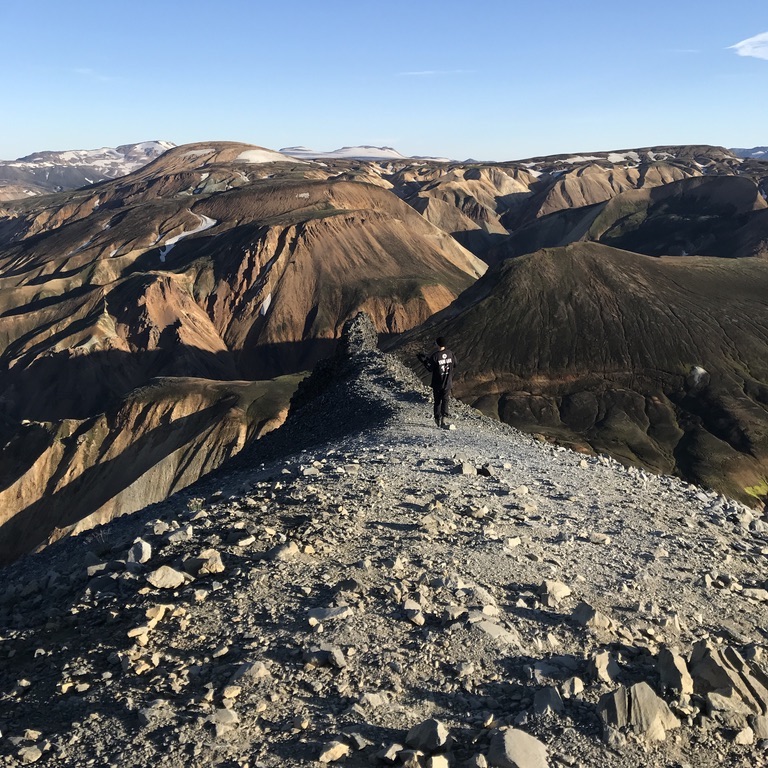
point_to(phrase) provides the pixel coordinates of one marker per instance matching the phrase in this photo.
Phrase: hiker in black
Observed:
(441, 364)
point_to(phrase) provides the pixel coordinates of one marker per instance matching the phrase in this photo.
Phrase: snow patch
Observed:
(265, 305)
(621, 157)
(261, 156)
(697, 374)
(206, 222)
(303, 195)
(655, 156)
(581, 159)
(363, 152)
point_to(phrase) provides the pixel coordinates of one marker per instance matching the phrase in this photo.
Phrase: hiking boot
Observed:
(443, 423)
(438, 421)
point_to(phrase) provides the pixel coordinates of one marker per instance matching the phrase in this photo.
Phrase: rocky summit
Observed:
(361, 588)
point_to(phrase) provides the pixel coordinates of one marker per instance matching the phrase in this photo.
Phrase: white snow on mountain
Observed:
(206, 222)
(581, 159)
(611, 157)
(617, 157)
(54, 171)
(363, 152)
(264, 156)
(126, 158)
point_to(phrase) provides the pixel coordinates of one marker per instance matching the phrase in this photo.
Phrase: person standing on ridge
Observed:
(441, 364)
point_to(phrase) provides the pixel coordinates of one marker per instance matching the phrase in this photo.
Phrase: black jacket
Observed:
(441, 363)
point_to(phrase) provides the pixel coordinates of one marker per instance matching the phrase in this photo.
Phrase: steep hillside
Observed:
(220, 262)
(396, 595)
(659, 362)
(706, 215)
(499, 210)
(63, 476)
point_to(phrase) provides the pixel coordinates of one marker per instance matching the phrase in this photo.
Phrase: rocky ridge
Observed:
(396, 595)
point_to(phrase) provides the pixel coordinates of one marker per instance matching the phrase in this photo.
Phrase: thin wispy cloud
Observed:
(92, 74)
(756, 47)
(436, 72)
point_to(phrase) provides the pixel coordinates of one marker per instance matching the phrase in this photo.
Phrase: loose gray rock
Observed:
(673, 672)
(548, 700)
(29, 754)
(212, 562)
(571, 687)
(428, 736)
(333, 751)
(513, 748)
(641, 709)
(166, 577)
(329, 614)
(588, 616)
(603, 666)
(284, 552)
(140, 552)
(553, 592)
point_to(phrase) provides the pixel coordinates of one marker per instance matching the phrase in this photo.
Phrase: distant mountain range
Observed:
(43, 172)
(363, 152)
(756, 153)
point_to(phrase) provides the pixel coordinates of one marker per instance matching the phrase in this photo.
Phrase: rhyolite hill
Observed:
(134, 314)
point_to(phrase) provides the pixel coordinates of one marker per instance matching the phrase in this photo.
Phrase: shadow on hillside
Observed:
(71, 386)
(100, 482)
(82, 388)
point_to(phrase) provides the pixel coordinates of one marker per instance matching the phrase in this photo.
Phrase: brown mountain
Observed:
(502, 209)
(661, 362)
(221, 262)
(705, 215)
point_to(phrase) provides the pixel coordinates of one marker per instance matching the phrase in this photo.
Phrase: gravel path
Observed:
(361, 571)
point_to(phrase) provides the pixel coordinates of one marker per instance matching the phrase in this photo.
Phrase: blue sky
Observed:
(488, 79)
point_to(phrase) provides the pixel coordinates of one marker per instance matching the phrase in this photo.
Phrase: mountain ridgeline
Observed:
(154, 324)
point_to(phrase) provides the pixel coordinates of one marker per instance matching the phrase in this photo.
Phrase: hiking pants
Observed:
(441, 402)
